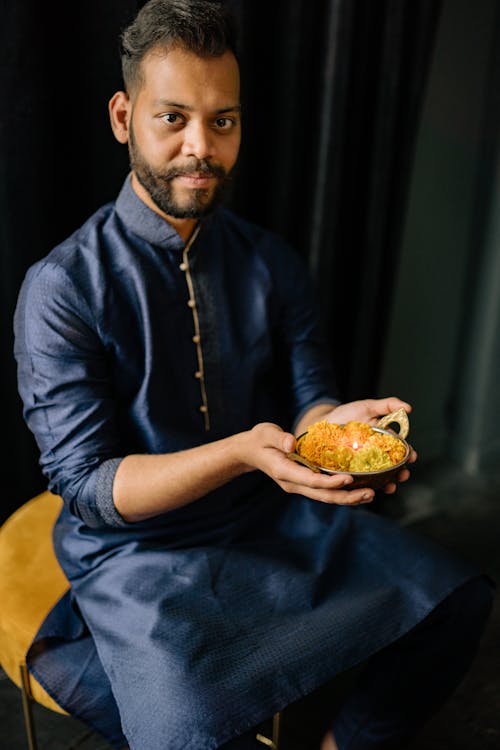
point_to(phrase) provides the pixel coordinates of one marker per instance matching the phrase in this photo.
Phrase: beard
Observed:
(158, 183)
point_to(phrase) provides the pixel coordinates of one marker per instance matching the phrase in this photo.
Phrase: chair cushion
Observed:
(31, 582)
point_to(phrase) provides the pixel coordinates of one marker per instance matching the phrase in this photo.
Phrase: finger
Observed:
(382, 406)
(390, 488)
(273, 436)
(394, 403)
(299, 474)
(288, 442)
(333, 497)
(348, 497)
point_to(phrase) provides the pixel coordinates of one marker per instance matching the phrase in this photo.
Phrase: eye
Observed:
(224, 123)
(172, 118)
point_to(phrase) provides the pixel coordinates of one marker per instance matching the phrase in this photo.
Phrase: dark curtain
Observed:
(331, 92)
(334, 96)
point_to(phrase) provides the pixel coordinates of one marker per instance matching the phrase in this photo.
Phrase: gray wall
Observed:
(443, 348)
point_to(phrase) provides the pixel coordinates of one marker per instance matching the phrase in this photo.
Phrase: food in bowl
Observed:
(353, 447)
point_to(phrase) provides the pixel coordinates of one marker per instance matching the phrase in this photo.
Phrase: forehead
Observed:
(181, 76)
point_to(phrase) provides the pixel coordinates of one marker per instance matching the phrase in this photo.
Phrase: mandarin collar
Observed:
(145, 222)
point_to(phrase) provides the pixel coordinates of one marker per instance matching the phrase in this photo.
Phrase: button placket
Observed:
(196, 339)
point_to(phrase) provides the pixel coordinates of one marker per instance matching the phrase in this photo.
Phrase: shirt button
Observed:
(183, 266)
(203, 409)
(197, 375)
(196, 339)
(191, 303)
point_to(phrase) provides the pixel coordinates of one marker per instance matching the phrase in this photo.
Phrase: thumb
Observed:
(287, 442)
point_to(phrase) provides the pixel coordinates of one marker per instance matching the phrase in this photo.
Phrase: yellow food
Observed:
(353, 447)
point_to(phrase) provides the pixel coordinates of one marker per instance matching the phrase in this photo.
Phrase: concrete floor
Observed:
(462, 514)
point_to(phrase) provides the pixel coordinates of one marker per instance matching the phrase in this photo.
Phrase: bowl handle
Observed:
(399, 417)
(301, 460)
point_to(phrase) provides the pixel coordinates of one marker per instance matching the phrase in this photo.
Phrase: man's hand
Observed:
(151, 484)
(272, 445)
(370, 411)
(266, 447)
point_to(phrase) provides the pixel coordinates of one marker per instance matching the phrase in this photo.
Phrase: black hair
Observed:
(205, 27)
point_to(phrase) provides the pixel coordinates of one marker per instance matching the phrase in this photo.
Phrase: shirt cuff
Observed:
(104, 506)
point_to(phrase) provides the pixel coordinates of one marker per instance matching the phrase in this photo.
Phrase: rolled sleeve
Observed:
(105, 512)
(63, 380)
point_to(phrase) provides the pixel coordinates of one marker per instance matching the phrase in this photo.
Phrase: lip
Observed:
(196, 181)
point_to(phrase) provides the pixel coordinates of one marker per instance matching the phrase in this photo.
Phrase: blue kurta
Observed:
(184, 631)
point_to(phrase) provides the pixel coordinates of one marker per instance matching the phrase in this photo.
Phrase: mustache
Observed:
(200, 166)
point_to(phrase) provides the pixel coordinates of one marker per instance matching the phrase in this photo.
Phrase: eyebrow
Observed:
(179, 105)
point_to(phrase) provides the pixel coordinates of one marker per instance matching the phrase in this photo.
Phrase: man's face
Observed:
(185, 130)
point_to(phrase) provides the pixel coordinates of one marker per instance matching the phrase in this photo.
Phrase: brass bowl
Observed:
(372, 479)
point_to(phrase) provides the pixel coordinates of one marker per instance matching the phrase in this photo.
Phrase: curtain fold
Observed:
(375, 75)
(331, 99)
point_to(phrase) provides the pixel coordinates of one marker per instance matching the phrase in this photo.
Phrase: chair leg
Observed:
(274, 742)
(27, 707)
(276, 729)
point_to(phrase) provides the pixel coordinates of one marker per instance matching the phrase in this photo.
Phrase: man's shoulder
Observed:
(74, 257)
(77, 256)
(85, 237)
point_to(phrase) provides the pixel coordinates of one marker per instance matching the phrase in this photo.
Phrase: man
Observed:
(168, 352)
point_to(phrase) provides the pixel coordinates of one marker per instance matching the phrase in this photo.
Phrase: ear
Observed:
(119, 114)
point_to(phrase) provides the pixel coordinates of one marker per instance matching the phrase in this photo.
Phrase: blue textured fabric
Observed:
(207, 619)
(105, 351)
(394, 696)
(83, 689)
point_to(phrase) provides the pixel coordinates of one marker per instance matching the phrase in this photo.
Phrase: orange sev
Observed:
(354, 446)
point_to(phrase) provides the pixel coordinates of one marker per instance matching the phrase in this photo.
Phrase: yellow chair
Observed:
(31, 583)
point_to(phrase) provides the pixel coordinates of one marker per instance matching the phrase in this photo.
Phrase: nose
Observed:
(198, 140)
